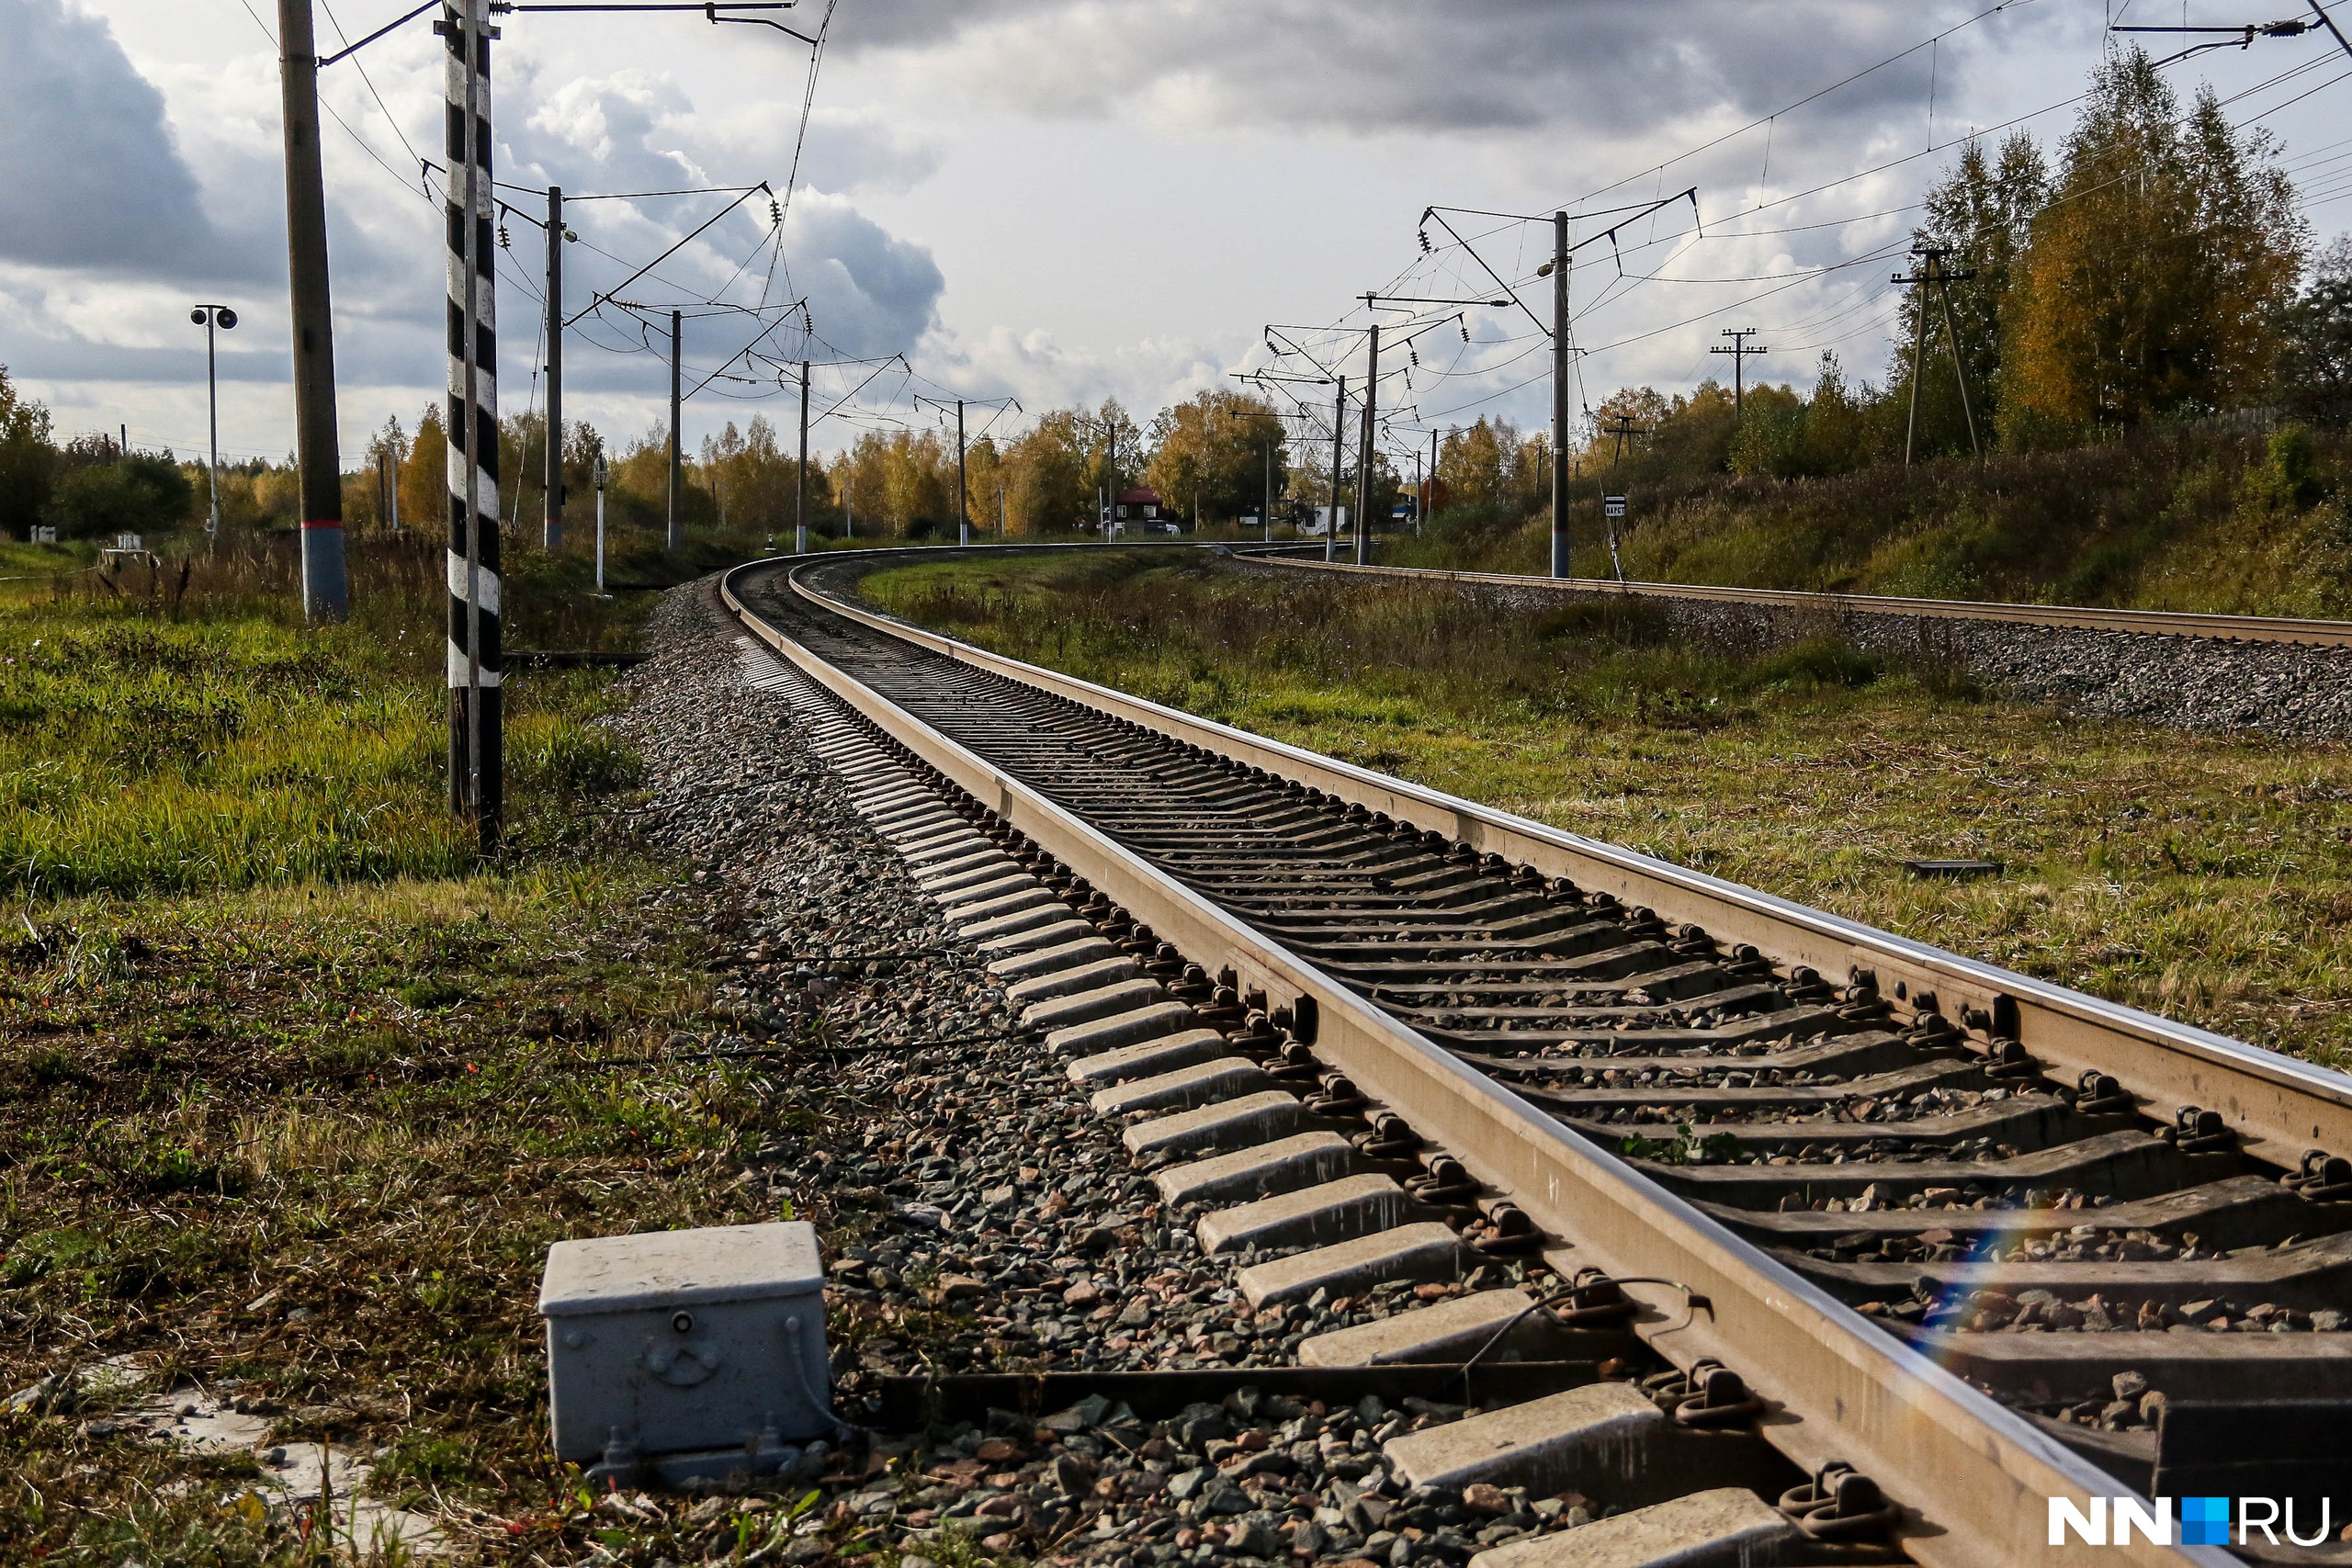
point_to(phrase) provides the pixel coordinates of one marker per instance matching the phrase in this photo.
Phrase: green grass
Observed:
(2206, 877)
(273, 1033)
(199, 737)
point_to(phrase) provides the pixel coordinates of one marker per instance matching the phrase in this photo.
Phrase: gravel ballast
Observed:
(2295, 691)
(976, 1214)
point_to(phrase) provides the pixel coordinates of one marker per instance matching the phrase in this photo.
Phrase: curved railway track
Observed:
(1978, 1238)
(2160, 623)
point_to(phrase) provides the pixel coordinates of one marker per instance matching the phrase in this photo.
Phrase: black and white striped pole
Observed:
(476, 749)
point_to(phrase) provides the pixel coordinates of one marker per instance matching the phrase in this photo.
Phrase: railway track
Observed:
(1966, 1239)
(2159, 622)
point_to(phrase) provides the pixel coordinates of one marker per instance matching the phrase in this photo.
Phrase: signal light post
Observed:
(208, 317)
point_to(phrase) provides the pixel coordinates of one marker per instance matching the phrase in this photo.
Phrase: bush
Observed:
(1821, 662)
(137, 494)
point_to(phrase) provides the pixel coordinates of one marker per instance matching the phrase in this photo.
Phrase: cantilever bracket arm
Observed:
(710, 14)
(393, 25)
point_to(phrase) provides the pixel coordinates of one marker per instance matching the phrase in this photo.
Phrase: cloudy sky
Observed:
(1052, 201)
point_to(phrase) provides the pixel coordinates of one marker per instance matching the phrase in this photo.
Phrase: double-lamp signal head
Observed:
(222, 314)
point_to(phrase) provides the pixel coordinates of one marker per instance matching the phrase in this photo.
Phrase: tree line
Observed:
(2161, 272)
(1213, 458)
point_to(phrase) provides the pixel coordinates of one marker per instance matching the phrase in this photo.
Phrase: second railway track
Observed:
(2306, 631)
(1977, 1239)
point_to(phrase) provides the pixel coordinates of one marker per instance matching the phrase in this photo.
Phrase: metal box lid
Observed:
(673, 1269)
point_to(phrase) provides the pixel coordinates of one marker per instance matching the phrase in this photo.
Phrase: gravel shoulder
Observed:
(2290, 690)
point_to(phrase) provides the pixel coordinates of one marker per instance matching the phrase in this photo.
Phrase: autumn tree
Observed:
(1693, 434)
(1771, 434)
(985, 475)
(1839, 427)
(1046, 475)
(2159, 270)
(2317, 370)
(1209, 456)
(755, 484)
(423, 475)
(901, 482)
(1473, 464)
(364, 502)
(1981, 211)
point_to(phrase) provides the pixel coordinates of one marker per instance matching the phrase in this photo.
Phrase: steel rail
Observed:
(1973, 1476)
(2277, 1106)
(2158, 623)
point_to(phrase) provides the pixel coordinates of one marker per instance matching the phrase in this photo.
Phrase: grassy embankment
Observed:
(2204, 519)
(2208, 878)
(292, 1093)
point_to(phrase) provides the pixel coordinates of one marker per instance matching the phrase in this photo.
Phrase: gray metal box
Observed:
(685, 1340)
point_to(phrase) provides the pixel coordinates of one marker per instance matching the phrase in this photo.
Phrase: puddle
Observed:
(292, 1474)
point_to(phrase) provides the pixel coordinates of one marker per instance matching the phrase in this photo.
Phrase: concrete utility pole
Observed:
(1739, 351)
(477, 751)
(551, 528)
(962, 483)
(1363, 445)
(326, 594)
(1559, 394)
(1338, 435)
(677, 538)
(602, 474)
(1428, 501)
(801, 476)
(1935, 275)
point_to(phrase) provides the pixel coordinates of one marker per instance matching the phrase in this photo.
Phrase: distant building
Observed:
(1138, 503)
